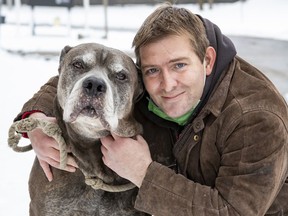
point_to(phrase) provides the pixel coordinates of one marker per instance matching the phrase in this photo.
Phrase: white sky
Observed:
(25, 74)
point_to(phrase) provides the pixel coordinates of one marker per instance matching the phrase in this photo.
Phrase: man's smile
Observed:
(173, 97)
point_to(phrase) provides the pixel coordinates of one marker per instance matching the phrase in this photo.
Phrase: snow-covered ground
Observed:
(22, 74)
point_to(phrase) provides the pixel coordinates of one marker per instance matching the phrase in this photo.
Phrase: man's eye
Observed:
(151, 71)
(78, 65)
(180, 65)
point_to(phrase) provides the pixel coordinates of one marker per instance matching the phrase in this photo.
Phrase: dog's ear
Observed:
(140, 87)
(64, 51)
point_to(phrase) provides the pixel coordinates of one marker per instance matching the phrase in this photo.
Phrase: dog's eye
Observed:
(121, 76)
(78, 65)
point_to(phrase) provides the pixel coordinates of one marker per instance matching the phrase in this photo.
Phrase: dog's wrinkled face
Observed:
(96, 90)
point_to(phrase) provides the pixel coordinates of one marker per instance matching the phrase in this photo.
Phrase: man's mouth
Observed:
(171, 97)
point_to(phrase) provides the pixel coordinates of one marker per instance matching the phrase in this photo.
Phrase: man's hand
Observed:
(47, 149)
(128, 157)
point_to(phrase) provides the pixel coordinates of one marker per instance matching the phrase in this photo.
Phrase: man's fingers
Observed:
(53, 143)
(114, 136)
(70, 165)
(52, 119)
(47, 170)
(140, 139)
(71, 162)
(106, 141)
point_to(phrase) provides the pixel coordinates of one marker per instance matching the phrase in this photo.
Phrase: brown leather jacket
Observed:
(232, 159)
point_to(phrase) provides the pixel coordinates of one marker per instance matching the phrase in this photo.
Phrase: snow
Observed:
(25, 73)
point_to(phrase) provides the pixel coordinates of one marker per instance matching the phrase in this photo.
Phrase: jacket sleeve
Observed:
(43, 100)
(253, 168)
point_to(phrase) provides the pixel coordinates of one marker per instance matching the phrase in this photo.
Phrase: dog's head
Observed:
(97, 88)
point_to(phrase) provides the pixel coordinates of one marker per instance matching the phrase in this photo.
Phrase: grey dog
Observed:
(95, 95)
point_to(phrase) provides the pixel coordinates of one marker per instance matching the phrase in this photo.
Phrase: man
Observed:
(218, 125)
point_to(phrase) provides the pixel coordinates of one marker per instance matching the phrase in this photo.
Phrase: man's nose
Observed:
(168, 81)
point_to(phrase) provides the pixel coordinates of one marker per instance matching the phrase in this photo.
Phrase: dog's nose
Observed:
(93, 86)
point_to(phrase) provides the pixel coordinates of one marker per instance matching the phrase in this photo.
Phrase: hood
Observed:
(225, 52)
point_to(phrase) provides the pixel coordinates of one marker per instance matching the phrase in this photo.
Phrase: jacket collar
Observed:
(217, 99)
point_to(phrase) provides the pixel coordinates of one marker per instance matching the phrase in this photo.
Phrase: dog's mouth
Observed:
(90, 109)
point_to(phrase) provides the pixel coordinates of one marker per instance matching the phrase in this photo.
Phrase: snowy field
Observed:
(24, 71)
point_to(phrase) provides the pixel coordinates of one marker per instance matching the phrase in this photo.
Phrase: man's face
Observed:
(173, 74)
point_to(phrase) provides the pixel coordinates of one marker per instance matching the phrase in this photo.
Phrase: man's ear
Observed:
(210, 58)
(64, 51)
